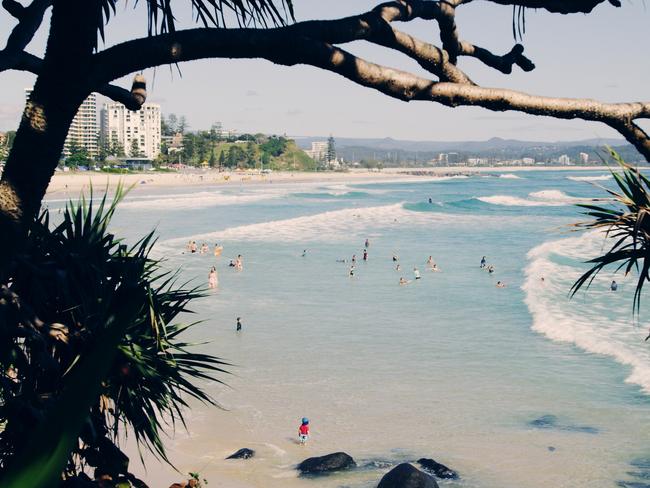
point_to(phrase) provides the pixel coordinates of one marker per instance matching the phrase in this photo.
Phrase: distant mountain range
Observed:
(399, 151)
(495, 143)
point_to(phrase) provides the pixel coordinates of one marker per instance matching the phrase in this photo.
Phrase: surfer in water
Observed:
(303, 431)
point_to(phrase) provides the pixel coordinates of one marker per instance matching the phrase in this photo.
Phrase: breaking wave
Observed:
(598, 321)
(544, 198)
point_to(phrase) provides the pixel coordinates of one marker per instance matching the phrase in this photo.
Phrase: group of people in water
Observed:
(213, 276)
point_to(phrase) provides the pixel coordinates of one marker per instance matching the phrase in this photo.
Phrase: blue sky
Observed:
(603, 55)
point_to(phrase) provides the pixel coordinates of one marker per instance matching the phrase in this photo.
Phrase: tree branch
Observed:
(502, 63)
(29, 20)
(559, 6)
(276, 46)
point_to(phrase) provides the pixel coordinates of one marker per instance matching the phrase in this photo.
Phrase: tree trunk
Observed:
(59, 91)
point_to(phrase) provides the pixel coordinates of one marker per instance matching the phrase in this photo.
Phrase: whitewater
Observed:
(515, 387)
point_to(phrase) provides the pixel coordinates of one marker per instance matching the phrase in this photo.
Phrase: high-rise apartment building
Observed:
(84, 130)
(137, 132)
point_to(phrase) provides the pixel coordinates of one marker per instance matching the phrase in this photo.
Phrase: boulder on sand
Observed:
(326, 464)
(406, 475)
(437, 469)
(242, 454)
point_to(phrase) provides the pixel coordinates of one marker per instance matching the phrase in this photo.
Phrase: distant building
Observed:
(123, 126)
(453, 158)
(584, 158)
(84, 130)
(442, 158)
(564, 159)
(527, 161)
(318, 150)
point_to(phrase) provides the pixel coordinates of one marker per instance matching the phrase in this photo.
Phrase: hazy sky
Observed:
(603, 55)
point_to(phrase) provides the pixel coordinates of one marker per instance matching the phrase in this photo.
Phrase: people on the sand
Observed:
(501, 284)
(403, 281)
(365, 255)
(613, 286)
(303, 431)
(483, 262)
(213, 280)
(416, 273)
(238, 326)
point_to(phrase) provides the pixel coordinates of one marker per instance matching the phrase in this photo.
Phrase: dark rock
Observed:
(437, 469)
(242, 454)
(551, 448)
(544, 422)
(406, 475)
(326, 464)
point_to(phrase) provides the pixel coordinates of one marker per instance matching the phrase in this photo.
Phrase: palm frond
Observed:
(626, 222)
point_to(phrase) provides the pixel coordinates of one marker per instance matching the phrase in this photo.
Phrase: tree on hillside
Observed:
(222, 160)
(330, 156)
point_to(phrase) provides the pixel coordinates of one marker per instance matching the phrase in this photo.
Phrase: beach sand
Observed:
(75, 182)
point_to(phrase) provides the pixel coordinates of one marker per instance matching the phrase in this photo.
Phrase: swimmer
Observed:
(354, 258)
(213, 280)
(193, 247)
(500, 284)
(402, 281)
(231, 264)
(218, 250)
(365, 255)
(483, 262)
(395, 258)
(430, 201)
(416, 273)
(351, 273)
(238, 326)
(490, 269)
(367, 244)
(204, 248)
(435, 267)
(303, 431)
(238, 263)
(613, 286)
(304, 253)
(398, 268)
(430, 261)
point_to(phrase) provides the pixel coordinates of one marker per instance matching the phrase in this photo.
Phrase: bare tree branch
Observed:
(29, 20)
(276, 46)
(502, 63)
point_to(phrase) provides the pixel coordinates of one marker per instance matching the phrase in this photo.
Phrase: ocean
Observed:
(515, 387)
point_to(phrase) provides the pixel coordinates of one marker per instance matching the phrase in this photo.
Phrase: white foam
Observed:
(510, 176)
(587, 320)
(543, 198)
(195, 200)
(590, 178)
(348, 224)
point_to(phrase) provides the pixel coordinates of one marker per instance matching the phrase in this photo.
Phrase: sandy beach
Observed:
(77, 181)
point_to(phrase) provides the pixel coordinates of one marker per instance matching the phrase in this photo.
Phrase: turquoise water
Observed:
(449, 366)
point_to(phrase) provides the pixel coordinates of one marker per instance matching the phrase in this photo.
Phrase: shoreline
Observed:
(82, 181)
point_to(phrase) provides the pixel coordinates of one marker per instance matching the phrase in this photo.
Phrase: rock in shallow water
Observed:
(326, 464)
(407, 476)
(244, 453)
(552, 422)
(437, 469)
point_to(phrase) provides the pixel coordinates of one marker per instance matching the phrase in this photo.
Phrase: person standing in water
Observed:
(367, 244)
(365, 255)
(238, 326)
(483, 262)
(304, 253)
(238, 263)
(416, 273)
(351, 274)
(613, 286)
(303, 431)
(213, 280)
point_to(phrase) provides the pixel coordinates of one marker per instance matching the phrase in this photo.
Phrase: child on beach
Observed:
(303, 431)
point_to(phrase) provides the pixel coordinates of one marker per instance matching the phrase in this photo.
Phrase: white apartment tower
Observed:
(123, 126)
(84, 130)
